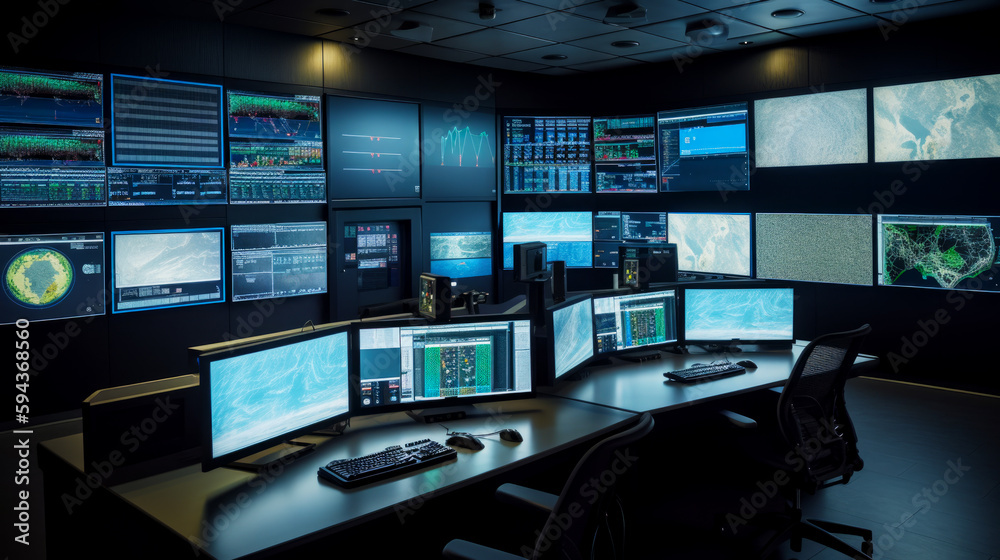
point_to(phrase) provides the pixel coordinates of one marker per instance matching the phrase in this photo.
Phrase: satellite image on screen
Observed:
(947, 119)
(815, 129)
(462, 254)
(574, 335)
(568, 235)
(149, 259)
(39, 277)
(938, 253)
(746, 314)
(711, 243)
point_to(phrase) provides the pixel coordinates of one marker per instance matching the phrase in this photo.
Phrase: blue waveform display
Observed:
(463, 148)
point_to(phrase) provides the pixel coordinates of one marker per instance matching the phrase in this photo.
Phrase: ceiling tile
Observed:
(574, 55)
(610, 64)
(565, 5)
(508, 64)
(719, 4)
(559, 26)
(385, 42)
(675, 29)
(307, 10)
(494, 42)
(766, 38)
(558, 71)
(507, 11)
(647, 42)
(814, 11)
(443, 27)
(839, 26)
(870, 7)
(434, 51)
(929, 10)
(656, 10)
(279, 23)
(679, 54)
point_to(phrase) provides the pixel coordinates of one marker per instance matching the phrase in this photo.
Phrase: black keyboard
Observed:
(706, 371)
(394, 460)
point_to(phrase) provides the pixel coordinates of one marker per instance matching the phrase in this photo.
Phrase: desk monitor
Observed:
(260, 395)
(407, 365)
(570, 337)
(434, 297)
(711, 243)
(735, 315)
(627, 322)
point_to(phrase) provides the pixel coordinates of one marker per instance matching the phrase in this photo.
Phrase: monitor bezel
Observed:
(550, 374)
(208, 461)
(357, 327)
(669, 344)
(750, 249)
(734, 285)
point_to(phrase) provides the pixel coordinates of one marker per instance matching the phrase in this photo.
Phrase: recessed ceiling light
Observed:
(555, 57)
(883, 1)
(333, 12)
(746, 42)
(625, 44)
(788, 13)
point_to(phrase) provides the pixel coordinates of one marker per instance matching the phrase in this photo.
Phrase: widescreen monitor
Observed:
(835, 248)
(68, 99)
(711, 243)
(943, 252)
(626, 322)
(52, 276)
(260, 395)
(47, 167)
(568, 235)
(462, 254)
(404, 365)
(570, 336)
(278, 260)
(703, 149)
(275, 148)
(943, 119)
(625, 154)
(816, 129)
(738, 315)
(167, 268)
(546, 154)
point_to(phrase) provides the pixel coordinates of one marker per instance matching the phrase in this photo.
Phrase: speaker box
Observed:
(135, 431)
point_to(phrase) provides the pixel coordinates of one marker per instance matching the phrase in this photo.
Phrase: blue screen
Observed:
(569, 235)
(262, 395)
(712, 140)
(751, 314)
(572, 335)
(462, 254)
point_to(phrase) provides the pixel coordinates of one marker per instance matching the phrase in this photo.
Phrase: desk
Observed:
(641, 387)
(259, 517)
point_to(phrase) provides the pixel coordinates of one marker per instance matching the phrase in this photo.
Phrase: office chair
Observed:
(814, 443)
(583, 521)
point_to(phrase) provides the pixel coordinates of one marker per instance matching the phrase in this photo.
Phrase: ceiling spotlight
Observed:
(487, 11)
(333, 12)
(625, 44)
(745, 43)
(626, 13)
(414, 31)
(707, 32)
(555, 57)
(789, 13)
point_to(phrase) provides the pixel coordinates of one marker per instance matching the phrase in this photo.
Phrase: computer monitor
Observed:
(275, 148)
(568, 236)
(278, 260)
(942, 252)
(833, 248)
(52, 276)
(546, 154)
(260, 395)
(625, 154)
(434, 297)
(408, 366)
(710, 243)
(613, 228)
(376, 249)
(462, 254)
(68, 99)
(47, 167)
(703, 149)
(735, 315)
(570, 337)
(640, 266)
(157, 269)
(823, 128)
(627, 322)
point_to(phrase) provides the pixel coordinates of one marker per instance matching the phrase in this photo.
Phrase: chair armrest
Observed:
(738, 420)
(458, 549)
(527, 498)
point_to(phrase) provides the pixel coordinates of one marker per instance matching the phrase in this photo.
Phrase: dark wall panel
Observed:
(254, 54)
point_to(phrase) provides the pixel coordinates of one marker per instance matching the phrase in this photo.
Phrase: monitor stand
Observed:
(284, 452)
(431, 415)
(641, 356)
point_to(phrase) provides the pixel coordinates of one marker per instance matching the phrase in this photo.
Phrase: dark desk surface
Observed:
(641, 387)
(274, 511)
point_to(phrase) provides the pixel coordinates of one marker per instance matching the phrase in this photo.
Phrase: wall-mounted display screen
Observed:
(711, 243)
(614, 228)
(703, 149)
(568, 235)
(44, 167)
(373, 148)
(945, 119)
(833, 248)
(946, 252)
(546, 154)
(462, 254)
(51, 276)
(816, 129)
(69, 99)
(278, 260)
(625, 154)
(166, 268)
(374, 249)
(459, 153)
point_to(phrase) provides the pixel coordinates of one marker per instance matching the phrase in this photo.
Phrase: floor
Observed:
(930, 488)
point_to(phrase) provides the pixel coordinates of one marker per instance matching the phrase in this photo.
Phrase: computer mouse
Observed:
(510, 434)
(465, 441)
(747, 364)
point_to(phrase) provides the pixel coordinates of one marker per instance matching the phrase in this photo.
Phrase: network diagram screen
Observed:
(703, 149)
(278, 260)
(416, 365)
(630, 321)
(275, 148)
(52, 276)
(711, 243)
(625, 154)
(942, 252)
(614, 228)
(568, 235)
(547, 154)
